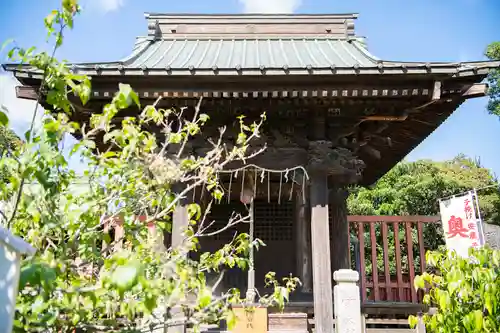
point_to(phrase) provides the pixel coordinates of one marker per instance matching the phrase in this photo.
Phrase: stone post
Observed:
(347, 302)
(421, 324)
(12, 248)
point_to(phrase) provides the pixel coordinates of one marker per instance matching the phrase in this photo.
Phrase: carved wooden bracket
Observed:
(335, 161)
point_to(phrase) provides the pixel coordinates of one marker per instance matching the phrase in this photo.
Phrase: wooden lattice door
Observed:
(273, 225)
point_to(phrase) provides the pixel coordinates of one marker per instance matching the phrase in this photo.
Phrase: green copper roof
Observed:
(247, 53)
(274, 44)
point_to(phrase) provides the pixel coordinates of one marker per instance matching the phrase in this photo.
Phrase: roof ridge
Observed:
(250, 15)
(231, 37)
(243, 24)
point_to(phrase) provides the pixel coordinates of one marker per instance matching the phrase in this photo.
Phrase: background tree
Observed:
(9, 143)
(81, 278)
(413, 188)
(493, 53)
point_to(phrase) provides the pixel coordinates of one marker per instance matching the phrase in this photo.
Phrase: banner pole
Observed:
(480, 224)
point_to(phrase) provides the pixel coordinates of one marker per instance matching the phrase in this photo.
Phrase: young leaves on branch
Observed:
(133, 180)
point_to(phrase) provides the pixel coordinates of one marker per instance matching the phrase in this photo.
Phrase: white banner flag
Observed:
(462, 228)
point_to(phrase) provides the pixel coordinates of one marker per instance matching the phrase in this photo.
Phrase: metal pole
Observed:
(478, 189)
(357, 263)
(250, 294)
(480, 224)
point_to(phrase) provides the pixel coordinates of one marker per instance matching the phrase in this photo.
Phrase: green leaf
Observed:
(204, 117)
(194, 211)
(35, 274)
(4, 119)
(444, 299)
(84, 92)
(478, 320)
(150, 302)
(204, 297)
(231, 320)
(488, 303)
(126, 96)
(175, 137)
(412, 321)
(126, 277)
(419, 282)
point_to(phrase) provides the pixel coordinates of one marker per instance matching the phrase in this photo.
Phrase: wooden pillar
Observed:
(303, 243)
(320, 244)
(340, 229)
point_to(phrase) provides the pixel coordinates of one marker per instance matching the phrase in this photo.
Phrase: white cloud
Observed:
(270, 6)
(20, 111)
(106, 5)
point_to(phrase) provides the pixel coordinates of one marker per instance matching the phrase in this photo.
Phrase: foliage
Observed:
(413, 188)
(464, 291)
(9, 142)
(80, 278)
(493, 53)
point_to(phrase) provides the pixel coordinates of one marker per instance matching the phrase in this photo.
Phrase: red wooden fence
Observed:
(387, 264)
(396, 245)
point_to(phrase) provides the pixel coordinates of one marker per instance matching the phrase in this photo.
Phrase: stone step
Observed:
(288, 321)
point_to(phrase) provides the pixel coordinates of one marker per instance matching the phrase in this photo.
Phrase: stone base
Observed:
(289, 321)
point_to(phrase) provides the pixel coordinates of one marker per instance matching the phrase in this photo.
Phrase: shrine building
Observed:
(332, 107)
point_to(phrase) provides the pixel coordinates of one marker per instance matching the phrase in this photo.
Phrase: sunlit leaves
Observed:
(100, 259)
(82, 89)
(35, 274)
(204, 297)
(125, 97)
(231, 319)
(412, 321)
(126, 276)
(493, 53)
(4, 119)
(464, 291)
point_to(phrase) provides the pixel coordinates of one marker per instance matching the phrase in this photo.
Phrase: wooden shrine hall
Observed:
(332, 107)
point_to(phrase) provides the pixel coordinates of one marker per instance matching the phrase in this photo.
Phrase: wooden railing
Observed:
(387, 264)
(390, 251)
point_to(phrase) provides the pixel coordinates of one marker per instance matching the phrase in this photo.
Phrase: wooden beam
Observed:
(476, 90)
(320, 242)
(303, 249)
(436, 92)
(26, 92)
(385, 118)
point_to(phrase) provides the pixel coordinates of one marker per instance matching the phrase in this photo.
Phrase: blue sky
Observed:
(425, 30)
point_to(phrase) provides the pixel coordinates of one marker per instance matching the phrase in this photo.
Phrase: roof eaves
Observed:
(383, 68)
(250, 72)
